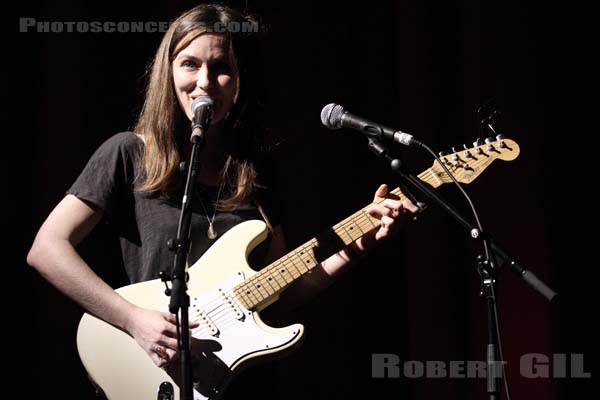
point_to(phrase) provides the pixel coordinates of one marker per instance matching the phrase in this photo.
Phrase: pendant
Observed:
(212, 234)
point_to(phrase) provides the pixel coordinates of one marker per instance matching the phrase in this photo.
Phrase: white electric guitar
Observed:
(226, 296)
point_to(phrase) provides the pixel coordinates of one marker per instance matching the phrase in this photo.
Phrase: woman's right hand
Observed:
(156, 333)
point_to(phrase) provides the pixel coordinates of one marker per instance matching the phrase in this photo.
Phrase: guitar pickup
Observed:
(207, 323)
(232, 306)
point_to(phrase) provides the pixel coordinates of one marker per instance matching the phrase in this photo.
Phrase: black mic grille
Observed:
(331, 115)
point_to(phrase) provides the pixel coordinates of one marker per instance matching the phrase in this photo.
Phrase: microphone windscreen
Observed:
(331, 115)
(201, 101)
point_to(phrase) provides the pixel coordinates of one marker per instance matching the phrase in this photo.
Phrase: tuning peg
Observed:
(500, 138)
(467, 153)
(478, 143)
(489, 140)
(453, 149)
(443, 153)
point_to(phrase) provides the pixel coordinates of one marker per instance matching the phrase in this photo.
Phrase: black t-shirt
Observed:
(143, 223)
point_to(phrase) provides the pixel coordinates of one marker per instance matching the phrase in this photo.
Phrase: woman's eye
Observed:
(188, 64)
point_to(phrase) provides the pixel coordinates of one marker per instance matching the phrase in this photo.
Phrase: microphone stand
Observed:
(486, 265)
(180, 300)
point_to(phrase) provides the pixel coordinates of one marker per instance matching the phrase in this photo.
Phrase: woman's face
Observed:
(206, 67)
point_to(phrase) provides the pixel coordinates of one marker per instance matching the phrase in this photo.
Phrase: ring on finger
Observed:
(162, 352)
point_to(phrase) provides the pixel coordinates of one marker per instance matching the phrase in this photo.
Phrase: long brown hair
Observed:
(162, 121)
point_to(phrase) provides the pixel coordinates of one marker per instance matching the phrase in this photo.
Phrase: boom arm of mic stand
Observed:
(526, 275)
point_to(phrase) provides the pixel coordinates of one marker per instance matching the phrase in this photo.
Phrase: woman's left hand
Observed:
(390, 212)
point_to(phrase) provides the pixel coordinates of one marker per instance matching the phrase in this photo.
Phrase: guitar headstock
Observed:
(467, 164)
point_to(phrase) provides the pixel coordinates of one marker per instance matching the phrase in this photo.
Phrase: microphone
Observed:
(202, 108)
(333, 116)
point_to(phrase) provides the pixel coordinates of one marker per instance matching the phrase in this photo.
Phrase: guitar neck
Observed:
(262, 287)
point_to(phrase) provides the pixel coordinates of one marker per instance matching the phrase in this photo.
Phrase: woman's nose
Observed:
(204, 81)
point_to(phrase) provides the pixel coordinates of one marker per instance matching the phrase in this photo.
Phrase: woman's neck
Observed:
(212, 155)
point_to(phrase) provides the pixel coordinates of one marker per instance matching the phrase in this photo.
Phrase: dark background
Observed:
(423, 67)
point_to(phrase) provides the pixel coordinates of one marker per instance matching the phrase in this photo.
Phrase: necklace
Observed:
(212, 233)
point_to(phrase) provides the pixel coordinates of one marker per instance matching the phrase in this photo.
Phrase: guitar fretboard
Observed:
(262, 287)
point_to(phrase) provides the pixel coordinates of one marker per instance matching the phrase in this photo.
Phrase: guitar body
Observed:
(229, 336)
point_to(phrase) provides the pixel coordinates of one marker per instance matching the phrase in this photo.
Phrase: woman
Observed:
(133, 181)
